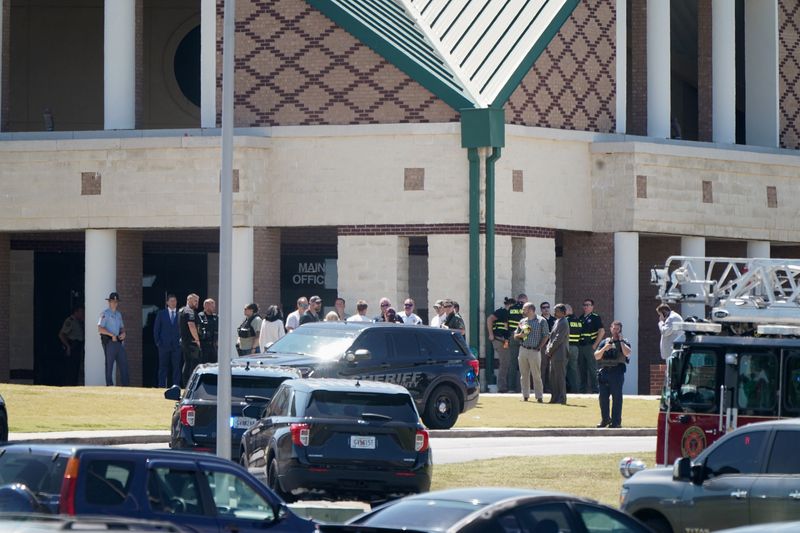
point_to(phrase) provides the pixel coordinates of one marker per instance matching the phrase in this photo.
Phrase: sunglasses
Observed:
(408, 305)
(385, 305)
(587, 305)
(447, 306)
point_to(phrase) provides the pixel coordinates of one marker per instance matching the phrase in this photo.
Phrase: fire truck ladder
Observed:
(738, 290)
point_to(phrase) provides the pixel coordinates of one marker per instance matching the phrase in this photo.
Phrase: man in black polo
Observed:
(592, 333)
(312, 313)
(208, 325)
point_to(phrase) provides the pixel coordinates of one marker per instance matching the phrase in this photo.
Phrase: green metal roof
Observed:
(470, 53)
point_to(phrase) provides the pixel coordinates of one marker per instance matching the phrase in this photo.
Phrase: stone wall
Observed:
(789, 72)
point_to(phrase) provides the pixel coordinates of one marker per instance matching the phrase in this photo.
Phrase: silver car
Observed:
(750, 476)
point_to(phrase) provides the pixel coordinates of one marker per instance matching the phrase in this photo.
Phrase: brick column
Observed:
(5, 294)
(637, 81)
(267, 267)
(588, 260)
(704, 71)
(129, 287)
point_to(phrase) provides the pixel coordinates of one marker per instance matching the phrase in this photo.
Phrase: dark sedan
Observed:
(490, 510)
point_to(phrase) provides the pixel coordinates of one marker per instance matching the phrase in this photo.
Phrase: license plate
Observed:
(243, 422)
(362, 443)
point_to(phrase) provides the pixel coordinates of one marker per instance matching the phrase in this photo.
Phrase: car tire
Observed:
(273, 483)
(657, 524)
(441, 411)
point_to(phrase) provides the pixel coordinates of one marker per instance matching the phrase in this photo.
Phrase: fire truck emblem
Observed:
(693, 442)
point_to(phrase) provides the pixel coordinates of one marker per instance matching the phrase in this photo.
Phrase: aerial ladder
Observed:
(745, 295)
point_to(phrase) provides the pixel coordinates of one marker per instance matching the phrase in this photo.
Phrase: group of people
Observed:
(559, 353)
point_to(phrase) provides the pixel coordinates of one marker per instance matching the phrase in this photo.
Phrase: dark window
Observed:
(174, 491)
(41, 474)
(277, 407)
(784, 458)
(699, 384)
(758, 381)
(741, 454)
(430, 514)
(187, 66)
(398, 407)
(545, 518)
(405, 345)
(792, 383)
(429, 348)
(375, 342)
(108, 482)
(600, 519)
(241, 386)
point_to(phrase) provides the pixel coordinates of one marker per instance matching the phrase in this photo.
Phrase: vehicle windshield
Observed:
(241, 386)
(317, 342)
(375, 406)
(42, 474)
(432, 515)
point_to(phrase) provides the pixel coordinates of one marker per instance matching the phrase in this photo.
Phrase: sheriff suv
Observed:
(750, 476)
(434, 364)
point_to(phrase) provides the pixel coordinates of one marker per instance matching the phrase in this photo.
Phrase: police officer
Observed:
(514, 316)
(112, 335)
(71, 337)
(190, 337)
(575, 326)
(208, 326)
(592, 333)
(497, 326)
(612, 355)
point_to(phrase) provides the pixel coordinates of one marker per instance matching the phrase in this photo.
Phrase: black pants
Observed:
(610, 380)
(191, 358)
(209, 351)
(73, 363)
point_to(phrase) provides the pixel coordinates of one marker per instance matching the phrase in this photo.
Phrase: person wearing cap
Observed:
(112, 335)
(452, 319)
(312, 313)
(497, 327)
(293, 320)
(361, 312)
(438, 319)
(408, 316)
(72, 339)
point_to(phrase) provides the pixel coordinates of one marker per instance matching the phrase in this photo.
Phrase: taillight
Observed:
(187, 415)
(421, 441)
(301, 434)
(475, 366)
(66, 500)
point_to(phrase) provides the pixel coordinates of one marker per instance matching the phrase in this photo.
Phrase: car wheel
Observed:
(657, 524)
(273, 483)
(441, 411)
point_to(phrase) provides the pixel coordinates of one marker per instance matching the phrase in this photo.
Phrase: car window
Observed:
(398, 407)
(241, 386)
(699, 385)
(374, 341)
(277, 407)
(174, 491)
(792, 383)
(41, 474)
(405, 345)
(601, 520)
(235, 497)
(429, 348)
(545, 518)
(740, 454)
(758, 381)
(784, 458)
(108, 482)
(317, 342)
(430, 514)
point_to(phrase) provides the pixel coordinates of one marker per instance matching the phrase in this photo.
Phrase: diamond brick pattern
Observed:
(789, 72)
(572, 84)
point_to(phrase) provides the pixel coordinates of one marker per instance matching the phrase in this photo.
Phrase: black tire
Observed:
(657, 524)
(274, 484)
(441, 411)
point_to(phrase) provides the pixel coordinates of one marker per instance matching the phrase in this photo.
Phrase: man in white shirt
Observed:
(361, 315)
(293, 320)
(407, 315)
(438, 320)
(667, 318)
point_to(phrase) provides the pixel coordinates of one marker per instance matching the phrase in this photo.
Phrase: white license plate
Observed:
(243, 422)
(362, 443)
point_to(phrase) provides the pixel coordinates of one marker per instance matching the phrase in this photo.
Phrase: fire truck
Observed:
(738, 363)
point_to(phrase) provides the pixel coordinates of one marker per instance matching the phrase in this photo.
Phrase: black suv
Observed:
(434, 364)
(340, 438)
(194, 420)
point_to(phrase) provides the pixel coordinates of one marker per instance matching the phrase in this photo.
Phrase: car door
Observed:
(175, 494)
(377, 367)
(407, 366)
(776, 493)
(260, 435)
(722, 500)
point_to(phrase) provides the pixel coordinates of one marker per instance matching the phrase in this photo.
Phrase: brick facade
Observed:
(588, 271)
(572, 84)
(129, 286)
(5, 296)
(637, 67)
(266, 267)
(789, 72)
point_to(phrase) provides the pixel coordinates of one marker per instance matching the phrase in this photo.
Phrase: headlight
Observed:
(623, 493)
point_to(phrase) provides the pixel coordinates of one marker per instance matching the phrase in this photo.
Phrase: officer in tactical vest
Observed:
(514, 316)
(499, 335)
(575, 326)
(592, 333)
(208, 326)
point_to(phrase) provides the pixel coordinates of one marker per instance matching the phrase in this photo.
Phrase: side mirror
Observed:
(359, 355)
(682, 469)
(698, 474)
(173, 393)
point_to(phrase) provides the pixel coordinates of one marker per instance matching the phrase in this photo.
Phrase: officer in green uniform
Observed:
(575, 326)
(499, 334)
(514, 316)
(592, 333)
(71, 336)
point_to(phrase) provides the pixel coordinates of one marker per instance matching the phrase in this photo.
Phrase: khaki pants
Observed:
(530, 365)
(503, 358)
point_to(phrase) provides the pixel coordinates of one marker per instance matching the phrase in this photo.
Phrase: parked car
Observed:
(38, 523)
(340, 438)
(435, 365)
(750, 476)
(200, 492)
(194, 420)
(490, 510)
(3, 421)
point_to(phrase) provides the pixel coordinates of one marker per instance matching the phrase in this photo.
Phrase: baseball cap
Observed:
(315, 299)
(113, 296)
(438, 303)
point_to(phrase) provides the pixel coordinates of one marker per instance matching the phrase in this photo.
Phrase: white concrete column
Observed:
(760, 249)
(723, 46)
(761, 72)
(100, 281)
(242, 282)
(540, 270)
(694, 247)
(658, 69)
(208, 63)
(622, 65)
(626, 300)
(119, 65)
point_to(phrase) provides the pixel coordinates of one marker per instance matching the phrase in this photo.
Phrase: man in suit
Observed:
(558, 352)
(167, 335)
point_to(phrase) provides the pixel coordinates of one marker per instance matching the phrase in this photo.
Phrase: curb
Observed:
(98, 440)
(541, 432)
